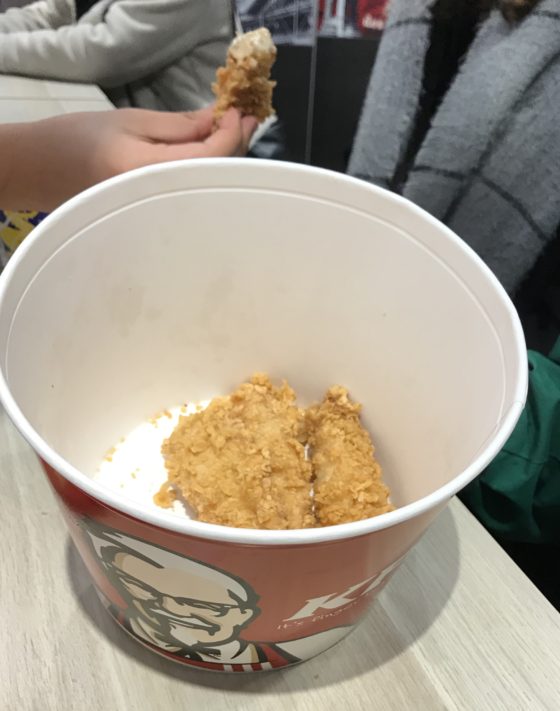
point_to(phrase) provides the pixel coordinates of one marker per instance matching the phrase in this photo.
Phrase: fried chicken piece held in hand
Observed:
(241, 461)
(244, 82)
(348, 479)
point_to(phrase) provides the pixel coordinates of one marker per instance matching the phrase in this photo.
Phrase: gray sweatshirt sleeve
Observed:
(134, 39)
(41, 15)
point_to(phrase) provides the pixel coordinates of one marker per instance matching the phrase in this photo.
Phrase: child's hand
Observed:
(50, 161)
(139, 137)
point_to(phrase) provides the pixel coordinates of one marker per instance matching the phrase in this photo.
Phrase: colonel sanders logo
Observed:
(185, 608)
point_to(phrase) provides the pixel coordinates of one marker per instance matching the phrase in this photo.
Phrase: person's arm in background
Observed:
(134, 38)
(44, 163)
(41, 15)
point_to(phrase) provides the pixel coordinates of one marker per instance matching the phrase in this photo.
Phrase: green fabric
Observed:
(517, 497)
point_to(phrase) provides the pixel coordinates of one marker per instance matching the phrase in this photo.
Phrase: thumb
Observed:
(248, 127)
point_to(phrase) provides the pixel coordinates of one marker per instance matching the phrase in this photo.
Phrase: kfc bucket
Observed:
(177, 282)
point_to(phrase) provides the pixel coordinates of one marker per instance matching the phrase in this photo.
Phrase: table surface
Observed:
(23, 99)
(458, 627)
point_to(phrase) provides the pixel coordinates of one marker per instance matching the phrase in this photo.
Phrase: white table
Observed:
(24, 99)
(459, 627)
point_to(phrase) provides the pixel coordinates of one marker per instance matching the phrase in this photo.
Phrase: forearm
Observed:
(45, 162)
(73, 53)
(134, 40)
(40, 159)
(90, 54)
(12, 168)
(41, 15)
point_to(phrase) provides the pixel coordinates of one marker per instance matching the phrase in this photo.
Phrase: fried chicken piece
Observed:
(241, 461)
(348, 483)
(245, 80)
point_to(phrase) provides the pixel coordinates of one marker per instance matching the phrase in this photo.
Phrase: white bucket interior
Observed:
(176, 283)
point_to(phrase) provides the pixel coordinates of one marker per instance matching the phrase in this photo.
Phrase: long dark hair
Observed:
(512, 10)
(515, 10)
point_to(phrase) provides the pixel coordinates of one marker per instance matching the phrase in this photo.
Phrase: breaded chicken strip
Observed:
(241, 462)
(245, 80)
(348, 484)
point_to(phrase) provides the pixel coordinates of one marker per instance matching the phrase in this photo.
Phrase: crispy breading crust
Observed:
(241, 462)
(244, 82)
(348, 484)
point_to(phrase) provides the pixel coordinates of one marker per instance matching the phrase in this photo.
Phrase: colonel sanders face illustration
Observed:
(171, 598)
(194, 611)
